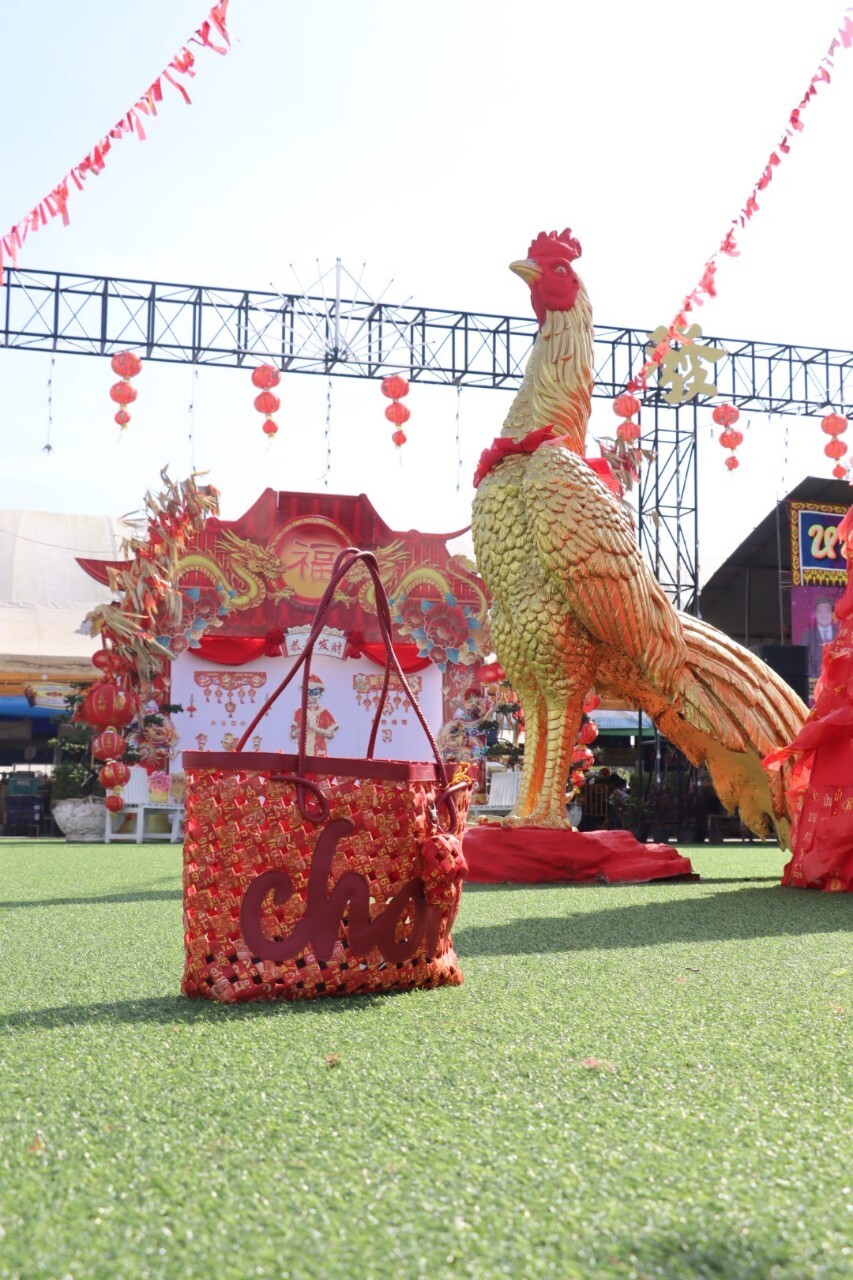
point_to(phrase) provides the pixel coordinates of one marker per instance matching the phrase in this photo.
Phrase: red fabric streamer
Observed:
(843, 39)
(55, 204)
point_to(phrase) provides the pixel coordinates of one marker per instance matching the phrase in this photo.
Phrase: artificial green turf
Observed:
(635, 1081)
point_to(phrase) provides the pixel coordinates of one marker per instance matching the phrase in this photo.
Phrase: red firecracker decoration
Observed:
(127, 366)
(834, 424)
(265, 377)
(625, 406)
(725, 416)
(395, 388)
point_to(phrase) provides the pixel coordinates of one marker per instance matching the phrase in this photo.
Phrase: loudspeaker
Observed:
(791, 662)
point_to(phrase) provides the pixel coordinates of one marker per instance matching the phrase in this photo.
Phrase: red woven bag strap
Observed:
(344, 563)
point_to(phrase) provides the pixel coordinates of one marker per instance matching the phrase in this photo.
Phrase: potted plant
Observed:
(77, 800)
(76, 797)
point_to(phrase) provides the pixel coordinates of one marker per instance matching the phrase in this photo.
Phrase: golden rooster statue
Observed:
(575, 605)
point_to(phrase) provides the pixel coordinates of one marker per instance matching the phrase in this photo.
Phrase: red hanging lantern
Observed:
(106, 706)
(578, 778)
(122, 393)
(731, 438)
(725, 415)
(835, 448)
(588, 733)
(397, 413)
(834, 424)
(267, 402)
(115, 773)
(114, 803)
(105, 660)
(592, 701)
(395, 387)
(626, 405)
(109, 745)
(127, 365)
(265, 376)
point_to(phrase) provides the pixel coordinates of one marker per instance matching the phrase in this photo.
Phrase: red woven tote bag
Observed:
(315, 876)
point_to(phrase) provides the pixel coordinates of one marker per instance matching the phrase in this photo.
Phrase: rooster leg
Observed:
(525, 688)
(535, 748)
(564, 696)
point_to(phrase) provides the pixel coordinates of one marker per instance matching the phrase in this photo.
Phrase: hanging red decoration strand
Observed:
(127, 366)
(706, 288)
(267, 376)
(725, 416)
(395, 388)
(835, 424)
(625, 406)
(55, 204)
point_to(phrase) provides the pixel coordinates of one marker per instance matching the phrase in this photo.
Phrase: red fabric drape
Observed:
(232, 651)
(407, 656)
(236, 651)
(533, 855)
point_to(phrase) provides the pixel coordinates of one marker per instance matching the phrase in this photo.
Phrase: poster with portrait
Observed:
(813, 624)
(818, 578)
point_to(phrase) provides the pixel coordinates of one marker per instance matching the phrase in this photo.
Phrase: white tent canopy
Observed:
(44, 594)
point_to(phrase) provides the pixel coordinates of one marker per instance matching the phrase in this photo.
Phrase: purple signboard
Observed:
(818, 557)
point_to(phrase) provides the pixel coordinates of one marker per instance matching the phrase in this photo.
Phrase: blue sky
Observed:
(429, 141)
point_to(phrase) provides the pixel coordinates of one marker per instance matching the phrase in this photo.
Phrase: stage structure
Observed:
(331, 335)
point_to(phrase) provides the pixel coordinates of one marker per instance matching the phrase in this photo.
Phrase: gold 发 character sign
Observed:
(682, 368)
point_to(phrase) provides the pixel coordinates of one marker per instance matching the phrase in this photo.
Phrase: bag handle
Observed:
(345, 561)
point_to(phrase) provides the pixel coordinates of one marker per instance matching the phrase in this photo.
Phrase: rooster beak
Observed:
(528, 269)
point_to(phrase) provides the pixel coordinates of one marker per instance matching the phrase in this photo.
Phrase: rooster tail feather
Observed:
(730, 711)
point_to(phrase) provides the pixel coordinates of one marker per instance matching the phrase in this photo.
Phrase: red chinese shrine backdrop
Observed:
(261, 576)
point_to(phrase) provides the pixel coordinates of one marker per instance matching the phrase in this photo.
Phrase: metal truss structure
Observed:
(327, 334)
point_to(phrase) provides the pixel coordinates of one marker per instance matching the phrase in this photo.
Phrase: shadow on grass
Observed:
(730, 1257)
(744, 913)
(141, 895)
(178, 1010)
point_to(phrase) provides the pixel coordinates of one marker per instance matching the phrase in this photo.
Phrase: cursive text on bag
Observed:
(350, 895)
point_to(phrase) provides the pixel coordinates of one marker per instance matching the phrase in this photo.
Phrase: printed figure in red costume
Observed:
(321, 726)
(821, 793)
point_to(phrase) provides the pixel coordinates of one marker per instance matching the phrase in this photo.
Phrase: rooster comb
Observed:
(551, 242)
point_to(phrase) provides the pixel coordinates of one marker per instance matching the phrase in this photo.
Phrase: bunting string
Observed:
(55, 204)
(706, 288)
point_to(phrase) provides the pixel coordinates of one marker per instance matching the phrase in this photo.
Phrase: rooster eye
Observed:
(560, 271)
